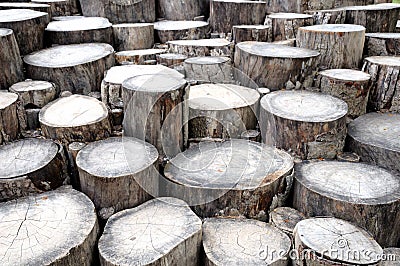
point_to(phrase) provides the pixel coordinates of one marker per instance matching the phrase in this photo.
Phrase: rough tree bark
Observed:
(180, 10)
(330, 16)
(381, 44)
(202, 47)
(286, 219)
(256, 33)
(9, 126)
(133, 36)
(169, 30)
(58, 7)
(138, 57)
(10, 57)
(284, 26)
(34, 93)
(171, 60)
(209, 69)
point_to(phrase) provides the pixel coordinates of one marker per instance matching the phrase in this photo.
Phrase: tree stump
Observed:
(10, 57)
(137, 57)
(34, 6)
(221, 111)
(238, 176)
(34, 93)
(54, 228)
(331, 241)
(340, 45)
(230, 242)
(330, 16)
(209, 69)
(84, 119)
(9, 126)
(391, 257)
(133, 36)
(256, 33)
(58, 7)
(19, 20)
(81, 30)
(276, 66)
(202, 47)
(120, 11)
(285, 25)
(310, 125)
(162, 231)
(77, 68)
(236, 12)
(171, 60)
(129, 177)
(374, 137)
(155, 111)
(352, 86)
(382, 44)
(181, 30)
(286, 219)
(30, 166)
(180, 10)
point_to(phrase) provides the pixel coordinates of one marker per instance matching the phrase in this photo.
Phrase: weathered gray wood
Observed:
(163, 231)
(276, 66)
(9, 126)
(377, 44)
(10, 57)
(77, 68)
(286, 219)
(284, 26)
(133, 36)
(231, 242)
(168, 30)
(374, 137)
(329, 16)
(238, 175)
(202, 47)
(58, 7)
(350, 157)
(340, 45)
(209, 69)
(171, 60)
(256, 33)
(34, 93)
(181, 10)
(72, 151)
(34, 6)
(54, 228)
(310, 125)
(341, 189)
(137, 57)
(391, 257)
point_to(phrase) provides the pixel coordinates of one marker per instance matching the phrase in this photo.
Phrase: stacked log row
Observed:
(181, 10)
(202, 47)
(352, 86)
(340, 45)
(286, 219)
(80, 30)
(58, 7)
(374, 137)
(58, 227)
(10, 57)
(171, 60)
(320, 190)
(285, 25)
(9, 126)
(138, 57)
(181, 30)
(162, 231)
(229, 242)
(276, 66)
(256, 33)
(209, 69)
(29, 166)
(221, 111)
(382, 44)
(133, 36)
(384, 71)
(19, 20)
(34, 6)
(77, 68)
(75, 118)
(310, 125)
(236, 177)
(331, 241)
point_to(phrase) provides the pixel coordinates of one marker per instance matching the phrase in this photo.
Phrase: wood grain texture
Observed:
(202, 47)
(34, 93)
(10, 56)
(58, 7)
(381, 44)
(133, 36)
(168, 30)
(286, 219)
(34, 6)
(137, 57)
(256, 33)
(209, 69)
(285, 25)
(181, 10)
(9, 126)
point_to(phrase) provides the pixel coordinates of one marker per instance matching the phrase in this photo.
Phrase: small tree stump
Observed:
(391, 257)
(171, 60)
(230, 242)
(381, 44)
(54, 228)
(180, 10)
(330, 16)
(34, 6)
(171, 236)
(256, 33)
(29, 166)
(352, 86)
(238, 175)
(210, 69)
(221, 111)
(133, 36)
(81, 30)
(263, 61)
(57, 7)
(236, 12)
(34, 93)
(19, 20)
(137, 57)
(129, 177)
(181, 30)
(334, 242)
(341, 189)
(340, 45)
(286, 219)
(374, 137)
(285, 25)
(311, 125)
(9, 126)
(77, 68)
(202, 47)
(84, 119)
(10, 57)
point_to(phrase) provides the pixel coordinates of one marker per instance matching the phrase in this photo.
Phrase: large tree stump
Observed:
(181, 30)
(120, 11)
(34, 6)
(276, 66)
(19, 20)
(374, 137)
(352, 86)
(256, 33)
(209, 69)
(54, 228)
(34, 93)
(58, 7)
(155, 111)
(221, 111)
(9, 126)
(138, 57)
(77, 68)
(163, 231)
(286, 219)
(331, 241)
(10, 57)
(340, 45)
(81, 30)
(133, 36)
(75, 118)
(118, 173)
(391, 257)
(311, 125)
(171, 60)
(180, 10)
(342, 189)
(285, 25)
(381, 44)
(236, 176)
(384, 94)
(231, 242)
(330, 16)
(29, 166)
(202, 47)
(224, 14)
